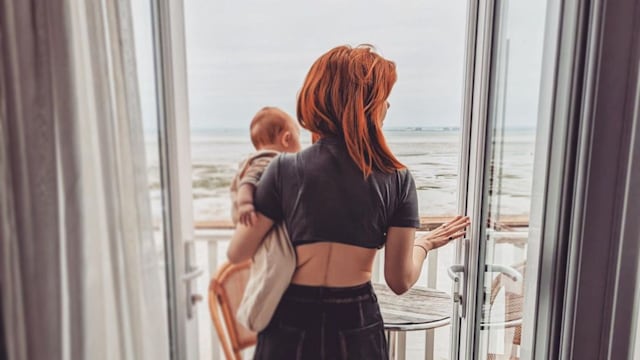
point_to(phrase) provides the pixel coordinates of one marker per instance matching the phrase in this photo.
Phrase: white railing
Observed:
(211, 245)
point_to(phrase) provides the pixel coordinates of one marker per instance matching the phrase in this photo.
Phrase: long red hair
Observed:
(345, 95)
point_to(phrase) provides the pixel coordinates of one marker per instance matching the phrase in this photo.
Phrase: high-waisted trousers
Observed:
(324, 323)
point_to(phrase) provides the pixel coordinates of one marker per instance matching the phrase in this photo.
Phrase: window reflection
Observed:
(516, 71)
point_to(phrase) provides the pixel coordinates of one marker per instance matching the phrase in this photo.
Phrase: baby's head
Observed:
(273, 129)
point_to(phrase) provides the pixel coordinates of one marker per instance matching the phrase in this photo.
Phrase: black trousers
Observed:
(324, 323)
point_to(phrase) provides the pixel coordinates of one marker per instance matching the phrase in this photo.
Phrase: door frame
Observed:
(478, 67)
(603, 207)
(459, 288)
(589, 119)
(474, 169)
(175, 161)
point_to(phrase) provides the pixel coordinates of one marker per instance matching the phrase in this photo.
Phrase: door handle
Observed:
(453, 270)
(512, 273)
(192, 275)
(459, 292)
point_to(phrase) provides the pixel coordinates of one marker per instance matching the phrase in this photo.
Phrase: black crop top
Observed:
(322, 195)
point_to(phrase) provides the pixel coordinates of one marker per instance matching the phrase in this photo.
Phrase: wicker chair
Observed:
(225, 292)
(514, 299)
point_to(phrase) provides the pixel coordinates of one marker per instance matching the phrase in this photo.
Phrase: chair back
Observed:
(225, 293)
(514, 297)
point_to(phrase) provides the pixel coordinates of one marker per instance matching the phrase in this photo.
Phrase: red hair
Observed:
(345, 95)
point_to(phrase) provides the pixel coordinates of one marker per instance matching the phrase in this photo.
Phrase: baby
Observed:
(272, 131)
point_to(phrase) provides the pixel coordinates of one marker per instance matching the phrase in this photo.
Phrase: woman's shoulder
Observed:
(400, 176)
(284, 164)
(285, 159)
(405, 174)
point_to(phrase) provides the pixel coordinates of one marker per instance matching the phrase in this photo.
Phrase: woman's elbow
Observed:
(399, 284)
(398, 288)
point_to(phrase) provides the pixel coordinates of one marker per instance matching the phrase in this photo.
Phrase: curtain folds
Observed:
(80, 274)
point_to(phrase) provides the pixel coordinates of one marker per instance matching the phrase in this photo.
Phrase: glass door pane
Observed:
(516, 65)
(155, 251)
(158, 26)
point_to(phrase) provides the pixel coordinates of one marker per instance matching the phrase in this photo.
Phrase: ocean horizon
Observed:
(419, 128)
(431, 154)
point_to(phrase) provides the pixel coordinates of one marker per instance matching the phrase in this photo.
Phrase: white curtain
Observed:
(80, 274)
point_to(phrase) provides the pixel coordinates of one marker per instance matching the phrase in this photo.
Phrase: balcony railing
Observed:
(212, 239)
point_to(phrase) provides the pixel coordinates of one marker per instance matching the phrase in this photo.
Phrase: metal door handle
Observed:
(193, 274)
(512, 273)
(453, 270)
(192, 299)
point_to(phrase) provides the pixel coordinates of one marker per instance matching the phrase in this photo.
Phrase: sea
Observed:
(431, 154)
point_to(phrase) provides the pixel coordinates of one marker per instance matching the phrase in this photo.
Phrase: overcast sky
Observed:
(243, 55)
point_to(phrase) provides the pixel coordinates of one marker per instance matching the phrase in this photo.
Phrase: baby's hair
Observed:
(267, 125)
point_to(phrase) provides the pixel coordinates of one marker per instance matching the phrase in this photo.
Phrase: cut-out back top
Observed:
(322, 196)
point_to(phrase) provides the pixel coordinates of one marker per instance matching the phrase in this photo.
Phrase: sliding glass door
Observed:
(172, 173)
(504, 67)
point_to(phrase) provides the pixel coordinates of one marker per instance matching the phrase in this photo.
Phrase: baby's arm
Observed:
(246, 211)
(244, 199)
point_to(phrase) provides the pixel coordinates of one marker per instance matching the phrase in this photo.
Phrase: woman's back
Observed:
(333, 265)
(335, 216)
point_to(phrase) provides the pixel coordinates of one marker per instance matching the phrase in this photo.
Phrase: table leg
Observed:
(401, 345)
(429, 345)
(392, 340)
(396, 343)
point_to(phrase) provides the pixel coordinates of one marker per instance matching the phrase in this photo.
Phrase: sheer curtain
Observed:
(80, 274)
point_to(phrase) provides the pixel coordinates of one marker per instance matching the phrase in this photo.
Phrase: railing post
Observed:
(212, 249)
(375, 273)
(432, 277)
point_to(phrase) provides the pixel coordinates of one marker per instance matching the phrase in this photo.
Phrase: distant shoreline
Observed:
(386, 129)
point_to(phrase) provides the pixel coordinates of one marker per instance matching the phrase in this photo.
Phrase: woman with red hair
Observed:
(342, 199)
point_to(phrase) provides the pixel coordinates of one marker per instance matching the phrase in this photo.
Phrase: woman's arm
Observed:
(405, 255)
(246, 239)
(402, 260)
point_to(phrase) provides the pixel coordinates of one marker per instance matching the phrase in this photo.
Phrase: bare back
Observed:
(333, 264)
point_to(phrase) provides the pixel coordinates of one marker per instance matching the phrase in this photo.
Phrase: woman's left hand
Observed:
(446, 233)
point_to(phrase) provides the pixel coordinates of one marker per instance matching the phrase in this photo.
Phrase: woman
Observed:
(341, 199)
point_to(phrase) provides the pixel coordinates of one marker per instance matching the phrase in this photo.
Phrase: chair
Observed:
(225, 293)
(514, 299)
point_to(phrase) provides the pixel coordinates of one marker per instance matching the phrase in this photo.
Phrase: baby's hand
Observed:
(246, 214)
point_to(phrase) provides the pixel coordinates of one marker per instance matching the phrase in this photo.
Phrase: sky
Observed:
(243, 55)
